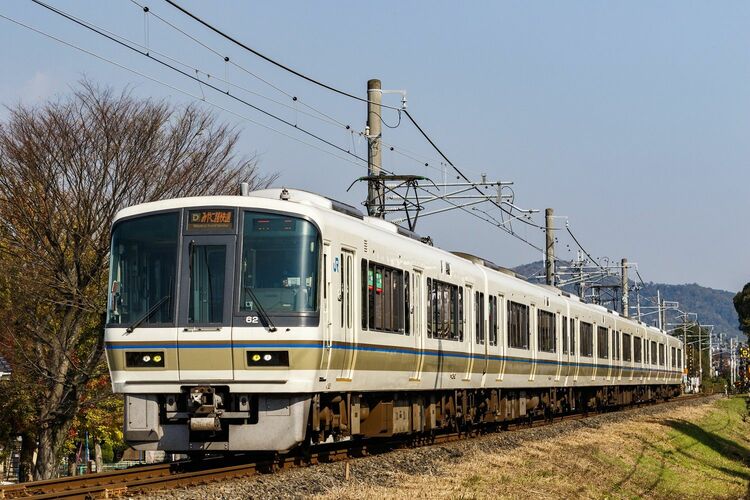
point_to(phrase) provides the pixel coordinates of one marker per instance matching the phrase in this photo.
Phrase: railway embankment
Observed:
(682, 449)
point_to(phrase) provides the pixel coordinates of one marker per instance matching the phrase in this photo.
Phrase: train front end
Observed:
(210, 300)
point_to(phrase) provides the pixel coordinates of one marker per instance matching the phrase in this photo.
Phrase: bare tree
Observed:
(66, 168)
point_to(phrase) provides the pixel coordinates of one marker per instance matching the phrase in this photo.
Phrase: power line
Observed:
(269, 59)
(195, 78)
(90, 27)
(167, 85)
(341, 92)
(227, 60)
(567, 227)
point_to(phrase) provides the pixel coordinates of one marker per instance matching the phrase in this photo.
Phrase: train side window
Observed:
(546, 334)
(626, 346)
(637, 347)
(662, 361)
(653, 352)
(479, 317)
(602, 345)
(493, 320)
(384, 295)
(572, 336)
(444, 311)
(564, 334)
(587, 339)
(674, 357)
(518, 325)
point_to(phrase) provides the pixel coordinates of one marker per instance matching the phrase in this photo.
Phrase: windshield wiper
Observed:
(261, 311)
(148, 313)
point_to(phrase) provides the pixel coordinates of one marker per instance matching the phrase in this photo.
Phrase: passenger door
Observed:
(327, 311)
(346, 318)
(204, 337)
(417, 296)
(469, 330)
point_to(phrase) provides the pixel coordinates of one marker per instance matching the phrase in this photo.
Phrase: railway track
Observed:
(185, 473)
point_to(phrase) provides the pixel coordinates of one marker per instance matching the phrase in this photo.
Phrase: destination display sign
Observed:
(210, 219)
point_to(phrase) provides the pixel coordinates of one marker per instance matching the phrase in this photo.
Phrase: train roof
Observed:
(303, 197)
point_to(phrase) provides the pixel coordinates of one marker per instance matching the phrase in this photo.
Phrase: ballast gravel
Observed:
(388, 469)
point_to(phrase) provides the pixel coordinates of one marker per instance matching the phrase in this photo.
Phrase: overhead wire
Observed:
(170, 86)
(344, 93)
(595, 262)
(396, 149)
(271, 60)
(230, 61)
(86, 25)
(488, 218)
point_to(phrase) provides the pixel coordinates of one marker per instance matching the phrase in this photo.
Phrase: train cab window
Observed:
(493, 320)
(587, 339)
(143, 269)
(479, 317)
(679, 358)
(518, 325)
(662, 361)
(444, 310)
(564, 334)
(626, 344)
(207, 278)
(652, 358)
(546, 331)
(572, 336)
(279, 266)
(674, 357)
(602, 345)
(385, 301)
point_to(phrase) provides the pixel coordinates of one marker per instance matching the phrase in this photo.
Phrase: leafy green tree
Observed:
(742, 306)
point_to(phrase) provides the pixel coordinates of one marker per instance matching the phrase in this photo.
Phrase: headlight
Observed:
(142, 359)
(267, 358)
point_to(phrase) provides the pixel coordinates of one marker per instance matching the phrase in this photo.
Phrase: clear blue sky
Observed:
(631, 118)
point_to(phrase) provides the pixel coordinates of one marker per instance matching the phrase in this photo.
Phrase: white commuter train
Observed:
(265, 321)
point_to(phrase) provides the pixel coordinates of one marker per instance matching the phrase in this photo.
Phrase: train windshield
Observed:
(279, 266)
(143, 270)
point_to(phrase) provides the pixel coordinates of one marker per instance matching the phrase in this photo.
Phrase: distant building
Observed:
(4, 369)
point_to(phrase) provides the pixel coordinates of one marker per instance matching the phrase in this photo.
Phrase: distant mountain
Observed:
(714, 307)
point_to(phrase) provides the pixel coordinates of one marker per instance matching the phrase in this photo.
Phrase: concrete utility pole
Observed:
(659, 305)
(638, 302)
(732, 364)
(375, 192)
(700, 355)
(550, 247)
(625, 299)
(684, 344)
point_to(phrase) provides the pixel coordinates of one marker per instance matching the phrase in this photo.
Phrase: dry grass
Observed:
(697, 451)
